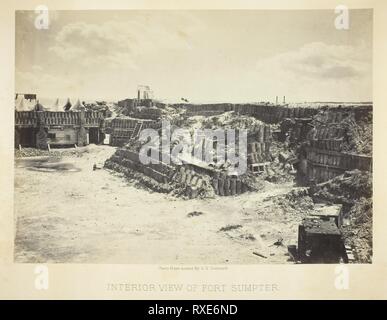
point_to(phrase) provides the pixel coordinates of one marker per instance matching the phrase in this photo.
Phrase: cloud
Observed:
(67, 52)
(37, 68)
(184, 53)
(318, 71)
(318, 60)
(30, 16)
(42, 83)
(120, 43)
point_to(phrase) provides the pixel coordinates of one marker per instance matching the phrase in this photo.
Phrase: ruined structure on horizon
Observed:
(39, 127)
(318, 135)
(321, 134)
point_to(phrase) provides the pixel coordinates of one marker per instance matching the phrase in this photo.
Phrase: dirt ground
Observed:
(67, 213)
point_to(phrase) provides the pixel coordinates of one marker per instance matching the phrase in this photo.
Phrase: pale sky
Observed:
(204, 56)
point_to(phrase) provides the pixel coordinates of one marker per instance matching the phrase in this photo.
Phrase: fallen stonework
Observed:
(143, 179)
(195, 177)
(314, 144)
(353, 190)
(324, 152)
(332, 141)
(267, 112)
(259, 135)
(159, 176)
(189, 180)
(343, 129)
(122, 129)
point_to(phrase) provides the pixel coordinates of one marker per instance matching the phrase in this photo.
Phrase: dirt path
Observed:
(74, 214)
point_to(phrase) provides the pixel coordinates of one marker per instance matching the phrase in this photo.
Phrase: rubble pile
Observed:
(144, 112)
(296, 201)
(185, 180)
(332, 141)
(225, 185)
(33, 152)
(140, 180)
(284, 145)
(358, 234)
(353, 189)
(345, 189)
(230, 120)
(279, 172)
(196, 178)
(259, 140)
(173, 115)
(177, 180)
(359, 137)
(345, 130)
(154, 176)
(191, 184)
(105, 108)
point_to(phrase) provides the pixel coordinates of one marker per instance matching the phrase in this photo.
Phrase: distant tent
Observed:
(19, 103)
(39, 107)
(30, 96)
(56, 107)
(24, 104)
(68, 105)
(78, 106)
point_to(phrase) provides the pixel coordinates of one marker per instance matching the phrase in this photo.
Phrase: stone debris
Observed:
(354, 191)
(320, 149)
(33, 152)
(194, 214)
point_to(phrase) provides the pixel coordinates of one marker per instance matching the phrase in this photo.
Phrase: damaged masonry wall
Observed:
(195, 177)
(122, 129)
(266, 112)
(334, 145)
(40, 128)
(321, 138)
(325, 144)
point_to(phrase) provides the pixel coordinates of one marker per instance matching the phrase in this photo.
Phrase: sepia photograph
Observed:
(193, 137)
